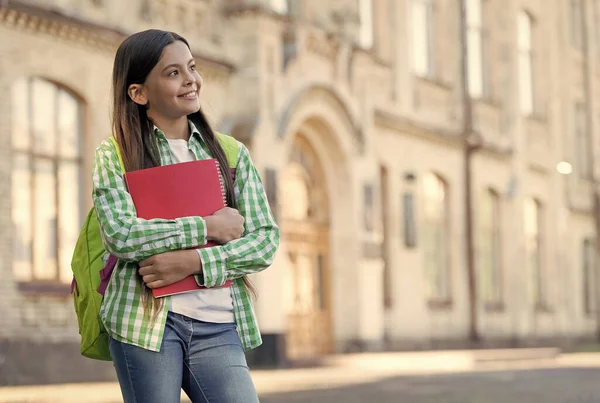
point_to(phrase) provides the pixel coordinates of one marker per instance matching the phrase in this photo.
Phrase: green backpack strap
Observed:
(114, 141)
(231, 147)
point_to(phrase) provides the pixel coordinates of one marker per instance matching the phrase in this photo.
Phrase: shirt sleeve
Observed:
(255, 250)
(124, 234)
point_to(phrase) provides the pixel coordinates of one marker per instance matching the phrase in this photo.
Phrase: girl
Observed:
(193, 341)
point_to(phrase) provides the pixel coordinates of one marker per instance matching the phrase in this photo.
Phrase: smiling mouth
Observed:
(189, 95)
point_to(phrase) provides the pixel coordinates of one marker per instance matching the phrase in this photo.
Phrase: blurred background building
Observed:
(417, 209)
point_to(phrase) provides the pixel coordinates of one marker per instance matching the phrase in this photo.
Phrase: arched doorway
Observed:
(305, 230)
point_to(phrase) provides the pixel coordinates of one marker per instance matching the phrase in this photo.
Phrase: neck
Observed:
(173, 129)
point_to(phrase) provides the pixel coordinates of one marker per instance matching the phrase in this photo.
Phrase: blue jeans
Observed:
(206, 360)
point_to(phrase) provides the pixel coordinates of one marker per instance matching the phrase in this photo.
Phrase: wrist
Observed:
(196, 263)
(211, 227)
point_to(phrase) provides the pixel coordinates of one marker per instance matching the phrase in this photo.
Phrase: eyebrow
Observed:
(177, 64)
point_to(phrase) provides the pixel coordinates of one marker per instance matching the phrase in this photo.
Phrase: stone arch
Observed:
(328, 136)
(320, 100)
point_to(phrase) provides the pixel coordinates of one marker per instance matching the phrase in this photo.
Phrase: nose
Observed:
(190, 79)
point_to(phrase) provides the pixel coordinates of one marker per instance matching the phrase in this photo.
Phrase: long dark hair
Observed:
(133, 130)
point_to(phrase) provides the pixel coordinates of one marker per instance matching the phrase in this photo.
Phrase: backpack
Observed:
(91, 276)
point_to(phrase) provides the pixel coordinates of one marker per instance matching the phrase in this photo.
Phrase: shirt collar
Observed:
(193, 129)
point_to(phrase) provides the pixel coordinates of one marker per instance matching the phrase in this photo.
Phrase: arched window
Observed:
(436, 237)
(526, 63)
(489, 247)
(534, 244)
(46, 175)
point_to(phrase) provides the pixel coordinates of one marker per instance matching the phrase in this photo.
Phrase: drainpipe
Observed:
(471, 143)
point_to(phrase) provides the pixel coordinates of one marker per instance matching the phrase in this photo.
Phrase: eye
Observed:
(193, 67)
(173, 73)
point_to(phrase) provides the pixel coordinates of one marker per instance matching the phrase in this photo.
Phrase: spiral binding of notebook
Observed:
(221, 181)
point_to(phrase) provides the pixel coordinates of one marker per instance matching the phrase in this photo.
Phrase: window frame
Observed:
(536, 238)
(590, 272)
(583, 142)
(481, 31)
(527, 53)
(54, 283)
(493, 230)
(429, 31)
(438, 297)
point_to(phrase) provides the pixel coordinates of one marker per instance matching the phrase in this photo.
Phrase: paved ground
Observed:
(386, 378)
(564, 385)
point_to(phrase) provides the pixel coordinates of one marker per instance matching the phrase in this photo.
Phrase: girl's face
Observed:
(172, 88)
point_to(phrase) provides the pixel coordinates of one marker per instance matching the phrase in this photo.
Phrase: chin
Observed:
(189, 111)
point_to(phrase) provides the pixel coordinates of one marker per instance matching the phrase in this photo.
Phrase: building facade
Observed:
(354, 113)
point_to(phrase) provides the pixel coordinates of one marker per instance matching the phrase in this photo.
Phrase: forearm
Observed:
(135, 239)
(247, 255)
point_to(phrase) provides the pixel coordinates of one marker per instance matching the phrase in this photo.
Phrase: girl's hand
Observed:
(225, 225)
(169, 267)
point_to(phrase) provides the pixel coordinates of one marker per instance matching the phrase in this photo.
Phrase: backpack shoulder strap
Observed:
(231, 147)
(118, 149)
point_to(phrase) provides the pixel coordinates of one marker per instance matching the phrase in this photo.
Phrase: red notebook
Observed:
(174, 191)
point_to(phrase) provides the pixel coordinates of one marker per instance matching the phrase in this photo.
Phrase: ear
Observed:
(137, 94)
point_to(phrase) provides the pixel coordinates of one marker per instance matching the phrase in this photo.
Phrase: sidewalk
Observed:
(339, 371)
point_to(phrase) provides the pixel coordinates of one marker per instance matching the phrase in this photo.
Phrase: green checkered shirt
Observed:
(133, 239)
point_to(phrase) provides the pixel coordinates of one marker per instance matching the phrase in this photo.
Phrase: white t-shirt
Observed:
(208, 305)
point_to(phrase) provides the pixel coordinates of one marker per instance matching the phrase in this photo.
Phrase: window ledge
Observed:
(440, 304)
(433, 80)
(487, 101)
(49, 288)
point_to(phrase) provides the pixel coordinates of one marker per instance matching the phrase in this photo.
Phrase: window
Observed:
(534, 250)
(46, 199)
(280, 6)
(589, 276)
(369, 213)
(436, 237)
(476, 40)
(489, 256)
(423, 43)
(366, 23)
(577, 21)
(583, 165)
(526, 85)
(408, 220)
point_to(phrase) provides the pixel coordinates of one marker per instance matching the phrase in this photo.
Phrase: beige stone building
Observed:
(354, 114)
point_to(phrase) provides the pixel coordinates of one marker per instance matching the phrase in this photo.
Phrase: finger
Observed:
(146, 262)
(143, 271)
(231, 211)
(155, 284)
(150, 278)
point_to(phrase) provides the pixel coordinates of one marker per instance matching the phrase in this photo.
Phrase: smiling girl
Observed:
(193, 341)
